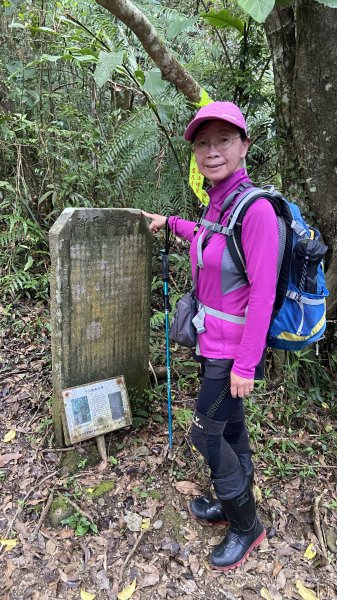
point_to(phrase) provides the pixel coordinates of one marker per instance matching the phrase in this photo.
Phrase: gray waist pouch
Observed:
(182, 329)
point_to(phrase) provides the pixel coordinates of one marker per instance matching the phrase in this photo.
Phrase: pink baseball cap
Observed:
(224, 111)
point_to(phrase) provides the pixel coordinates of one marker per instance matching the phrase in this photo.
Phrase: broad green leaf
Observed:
(127, 592)
(154, 84)
(222, 19)
(85, 58)
(179, 26)
(28, 263)
(331, 3)
(7, 186)
(34, 29)
(165, 111)
(49, 58)
(47, 29)
(258, 9)
(16, 26)
(78, 50)
(140, 76)
(107, 63)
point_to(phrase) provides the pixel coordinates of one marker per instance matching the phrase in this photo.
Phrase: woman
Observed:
(231, 351)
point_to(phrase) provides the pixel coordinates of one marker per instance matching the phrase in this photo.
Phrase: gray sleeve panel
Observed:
(282, 232)
(231, 279)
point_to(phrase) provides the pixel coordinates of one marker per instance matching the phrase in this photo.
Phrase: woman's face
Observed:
(219, 150)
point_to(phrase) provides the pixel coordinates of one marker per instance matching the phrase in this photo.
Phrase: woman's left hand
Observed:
(240, 386)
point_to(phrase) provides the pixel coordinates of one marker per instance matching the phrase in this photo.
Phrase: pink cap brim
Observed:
(222, 111)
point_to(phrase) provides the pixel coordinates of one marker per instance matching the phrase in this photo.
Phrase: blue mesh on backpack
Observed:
(301, 320)
(299, 316)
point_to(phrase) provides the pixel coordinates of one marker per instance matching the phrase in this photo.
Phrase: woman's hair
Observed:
(242, 134)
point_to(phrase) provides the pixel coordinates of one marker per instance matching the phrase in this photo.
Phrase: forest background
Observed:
(89, 119)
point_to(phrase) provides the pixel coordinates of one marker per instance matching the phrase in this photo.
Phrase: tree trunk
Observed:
(304, 52)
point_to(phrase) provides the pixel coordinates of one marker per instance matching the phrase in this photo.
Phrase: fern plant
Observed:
(23, 254)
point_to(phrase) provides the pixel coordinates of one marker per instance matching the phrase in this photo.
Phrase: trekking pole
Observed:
(167, 308)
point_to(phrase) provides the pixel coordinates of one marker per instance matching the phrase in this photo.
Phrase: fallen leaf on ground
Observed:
(6, 458)
(146, 524)
(9, 544)
(305, 592)
(127, 592)
(10, 435)
(150, 579)
(87, 596)
(188, 488)
(277, 568)
(331, 539)
(310, 552)
(265, 594)
(194, 564)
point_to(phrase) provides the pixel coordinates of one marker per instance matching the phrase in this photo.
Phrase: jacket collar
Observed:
(225, 187)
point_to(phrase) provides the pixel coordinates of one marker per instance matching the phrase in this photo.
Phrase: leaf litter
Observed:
(147, 546)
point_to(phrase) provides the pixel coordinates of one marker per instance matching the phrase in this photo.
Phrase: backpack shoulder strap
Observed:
(284, 218)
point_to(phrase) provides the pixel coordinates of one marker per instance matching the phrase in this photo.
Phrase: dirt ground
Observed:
(146, 545)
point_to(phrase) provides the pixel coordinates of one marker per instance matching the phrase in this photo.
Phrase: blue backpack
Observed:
(299, 312)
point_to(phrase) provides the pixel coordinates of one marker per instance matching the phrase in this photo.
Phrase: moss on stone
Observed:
(73, 459)
(157, 494)
(103, 488)
(173, 522)
(60, 509)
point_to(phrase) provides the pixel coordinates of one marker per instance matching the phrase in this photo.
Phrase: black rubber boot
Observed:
(244, 534)
(209, 510)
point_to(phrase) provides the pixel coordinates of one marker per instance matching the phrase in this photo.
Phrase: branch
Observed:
(171, 69)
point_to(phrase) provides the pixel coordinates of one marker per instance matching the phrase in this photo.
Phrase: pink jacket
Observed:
(222, 339)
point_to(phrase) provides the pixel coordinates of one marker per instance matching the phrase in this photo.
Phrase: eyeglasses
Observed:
(221, 143)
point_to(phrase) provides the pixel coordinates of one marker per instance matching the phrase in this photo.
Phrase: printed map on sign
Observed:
(96, 408)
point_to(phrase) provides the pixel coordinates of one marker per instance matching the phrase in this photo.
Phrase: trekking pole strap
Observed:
(167, 237)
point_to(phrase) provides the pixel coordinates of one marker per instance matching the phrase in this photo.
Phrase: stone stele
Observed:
(100, 286)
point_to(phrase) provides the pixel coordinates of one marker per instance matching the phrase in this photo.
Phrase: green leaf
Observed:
(331, 3)
(81, 530)
(154, 84)
(49, 58)
(179, 26)
(107, 63)
(28, 263)
(34, 29)
(158, 418)
(165, 111)
(258, 9)
(140, 76)
(86, 58)
(7, 186)
(16, 26)
(142, 413)
(222, 19)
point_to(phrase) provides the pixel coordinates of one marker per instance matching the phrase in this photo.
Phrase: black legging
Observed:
(216, 403)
